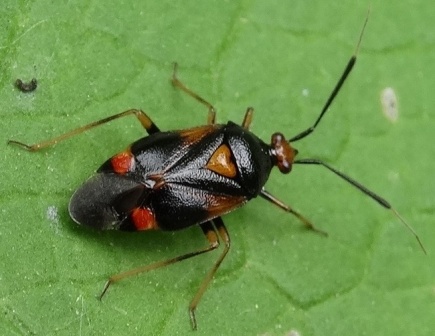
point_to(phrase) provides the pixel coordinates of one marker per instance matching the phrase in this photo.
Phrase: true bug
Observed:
(176, 179)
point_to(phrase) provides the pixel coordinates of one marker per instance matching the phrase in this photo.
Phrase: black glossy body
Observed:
(170, 176)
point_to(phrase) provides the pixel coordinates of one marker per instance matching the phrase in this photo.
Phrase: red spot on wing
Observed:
(123, 162)
(143, 219)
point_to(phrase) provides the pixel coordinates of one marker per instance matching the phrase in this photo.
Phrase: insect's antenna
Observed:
(337, 87)
(366, 191)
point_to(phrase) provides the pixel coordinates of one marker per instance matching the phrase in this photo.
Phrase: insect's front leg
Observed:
(211, 119)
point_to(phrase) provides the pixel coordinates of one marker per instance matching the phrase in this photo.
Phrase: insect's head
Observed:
(282, 152)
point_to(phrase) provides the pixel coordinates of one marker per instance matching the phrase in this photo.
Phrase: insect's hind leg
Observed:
(224, 235)
(143, 118)
(211, 118)
(212, 233)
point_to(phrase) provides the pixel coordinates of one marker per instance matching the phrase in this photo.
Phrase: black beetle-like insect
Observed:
(176, 179)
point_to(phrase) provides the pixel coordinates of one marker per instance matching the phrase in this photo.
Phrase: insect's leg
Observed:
(223, 233)
(209, 232)
(146, 122)
(384, 203)
(211, 119)
(269, 197)
(248, 118)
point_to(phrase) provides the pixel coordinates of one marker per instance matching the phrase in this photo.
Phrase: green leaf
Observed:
(93, 59)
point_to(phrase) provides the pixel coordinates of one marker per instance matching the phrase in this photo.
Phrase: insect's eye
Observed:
(283, 152)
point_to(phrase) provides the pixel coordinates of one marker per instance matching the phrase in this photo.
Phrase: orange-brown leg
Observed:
(269, 197)
(223, 234)
(146, 122)
(212, 232)
(211, 119)
(248, 118)
(209, 232)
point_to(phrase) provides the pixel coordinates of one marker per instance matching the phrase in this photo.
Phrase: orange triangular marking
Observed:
(221, 162)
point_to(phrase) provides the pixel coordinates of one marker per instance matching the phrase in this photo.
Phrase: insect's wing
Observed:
(103, 199)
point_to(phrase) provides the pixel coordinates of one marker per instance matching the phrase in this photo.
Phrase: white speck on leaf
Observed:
(80, 313)
(389, 104)
(53, 216)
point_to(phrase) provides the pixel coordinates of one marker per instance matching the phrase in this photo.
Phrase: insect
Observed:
(26, 87)
(176, 179)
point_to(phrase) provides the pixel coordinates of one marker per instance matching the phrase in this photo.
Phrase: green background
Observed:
(93, 59)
